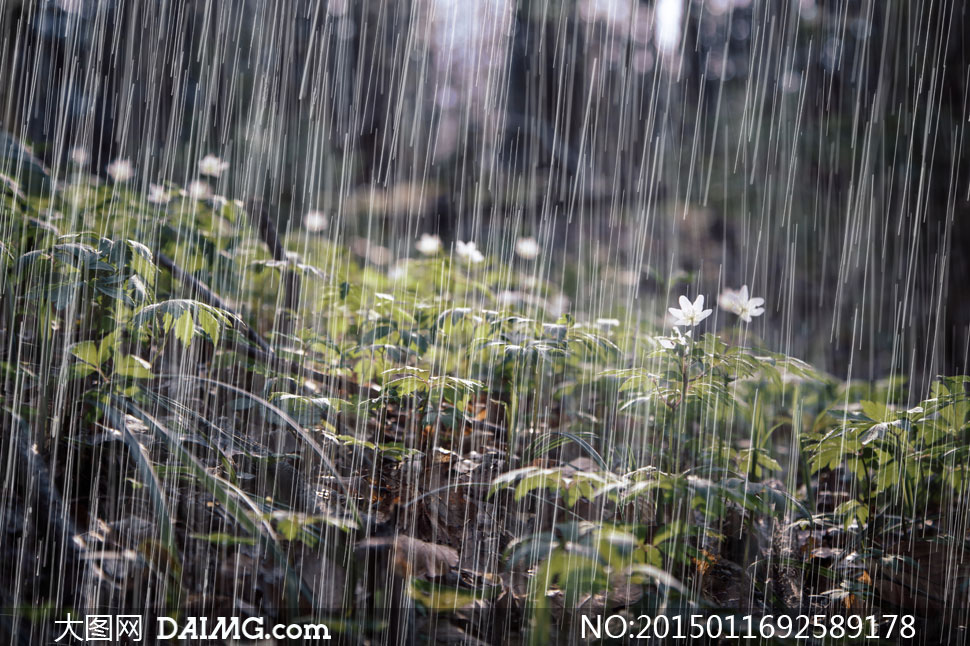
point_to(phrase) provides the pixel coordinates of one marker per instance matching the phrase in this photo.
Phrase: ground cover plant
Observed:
(203, 415)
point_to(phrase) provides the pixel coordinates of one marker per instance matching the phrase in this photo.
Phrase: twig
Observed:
(290, 279)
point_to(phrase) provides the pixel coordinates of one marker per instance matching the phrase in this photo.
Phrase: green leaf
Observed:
(442, 598)
(107, 346)
(659, 575)
(408, 385)
(876, 412)
(185, 328)
(290, 526)
(853, 510)
(133, 367)
(210, 325)
(79, 370)
(87, 351)
(768, 462)
(544, 478)
(141, 261)
(32, 177)
(139, 289)
(887, 475)
(873, 433)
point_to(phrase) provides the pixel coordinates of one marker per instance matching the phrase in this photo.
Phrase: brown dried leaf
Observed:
(414, 557)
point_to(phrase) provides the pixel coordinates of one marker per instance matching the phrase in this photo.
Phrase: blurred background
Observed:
(812, 149)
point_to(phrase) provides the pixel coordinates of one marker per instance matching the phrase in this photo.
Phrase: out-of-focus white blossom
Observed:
(428, 245)
(372, 252)
(739, 302)
(79, 156)
(527, 248)
(398, 272)
(121, 170)
(468, 252)
(197, 190)
(212, 166)
(315, 221)
(157, 194)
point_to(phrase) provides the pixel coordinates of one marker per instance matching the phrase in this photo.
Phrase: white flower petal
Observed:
(197, 190)
(428, 245)
(79, 156)
(741, 303)
(120, 170)
(212, 166)
(728, 300)
(315, 221)
(158, 195)
(527, 248)
(469, 252)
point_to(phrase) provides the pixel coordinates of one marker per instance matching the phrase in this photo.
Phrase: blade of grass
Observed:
(585, 446)
(154, 486)
(229, 496)
(290, 423)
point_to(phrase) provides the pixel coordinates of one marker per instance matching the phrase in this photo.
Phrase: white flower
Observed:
(314, 221)
(728, 300)
(79, 156)
(219, 201)
(739, 302)
(397, 272)
(607, 323)
(468, 252)
(158, 195)
(197, 190)
(690, 313)
(675, 339)
(429, 245)
(212, 166)
(527, 248)
(121, 170)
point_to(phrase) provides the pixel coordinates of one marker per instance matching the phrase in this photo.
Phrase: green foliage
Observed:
(917, 455)
(644, 445)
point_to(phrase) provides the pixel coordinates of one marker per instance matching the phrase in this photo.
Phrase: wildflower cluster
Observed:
(122, 170)
(739, 302)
